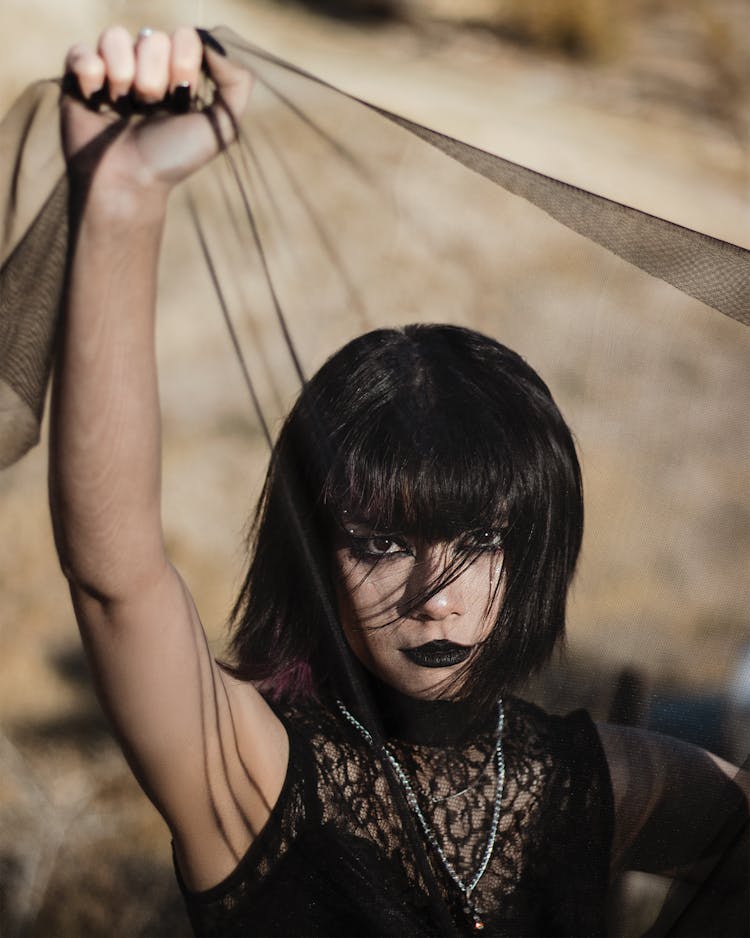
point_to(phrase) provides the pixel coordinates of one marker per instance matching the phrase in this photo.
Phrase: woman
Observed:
(425, 493)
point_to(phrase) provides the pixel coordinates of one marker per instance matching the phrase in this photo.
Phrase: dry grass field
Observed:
(646, 102)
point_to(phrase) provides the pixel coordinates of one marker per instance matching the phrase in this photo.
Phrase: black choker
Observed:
(428, 722)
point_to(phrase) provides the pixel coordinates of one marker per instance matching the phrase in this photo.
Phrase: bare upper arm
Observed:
(673, 801)
(207, 749)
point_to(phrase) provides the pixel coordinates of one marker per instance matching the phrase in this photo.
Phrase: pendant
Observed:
(471, 912)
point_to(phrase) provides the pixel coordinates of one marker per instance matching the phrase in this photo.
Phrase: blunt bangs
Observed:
(430, 430)
(437, 442)
(435, 483)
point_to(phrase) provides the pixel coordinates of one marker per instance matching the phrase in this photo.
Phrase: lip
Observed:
(440, 653)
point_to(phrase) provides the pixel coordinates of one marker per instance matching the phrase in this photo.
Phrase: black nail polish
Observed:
(181, 99)
(123, 105)
(208, 40)
(98, 99)
(71, 87)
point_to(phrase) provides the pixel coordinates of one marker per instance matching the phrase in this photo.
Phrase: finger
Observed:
(152, 54)
(116, 49)
(186, 59)
(234, 85)
(88, 68)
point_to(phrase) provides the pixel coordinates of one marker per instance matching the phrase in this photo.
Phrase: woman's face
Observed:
(409, 634)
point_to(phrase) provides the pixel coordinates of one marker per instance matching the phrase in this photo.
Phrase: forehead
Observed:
(438, 530)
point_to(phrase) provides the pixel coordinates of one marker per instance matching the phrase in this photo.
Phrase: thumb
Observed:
(234, 85)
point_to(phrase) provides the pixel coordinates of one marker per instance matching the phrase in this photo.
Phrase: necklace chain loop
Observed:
(411, 799)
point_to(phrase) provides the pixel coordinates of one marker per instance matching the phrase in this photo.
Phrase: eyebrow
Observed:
(371, 527)
(347, 519)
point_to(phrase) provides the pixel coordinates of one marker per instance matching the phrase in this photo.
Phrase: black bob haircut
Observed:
(431, 429)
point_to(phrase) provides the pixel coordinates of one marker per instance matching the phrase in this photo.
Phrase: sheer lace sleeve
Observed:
(680, 811)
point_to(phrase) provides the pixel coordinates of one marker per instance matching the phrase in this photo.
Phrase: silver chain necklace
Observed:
(466, 889)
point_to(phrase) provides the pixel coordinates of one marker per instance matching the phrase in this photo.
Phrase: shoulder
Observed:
(556, 762)
(310, 719)
(549, 735)
(322, 742)
(563, 752)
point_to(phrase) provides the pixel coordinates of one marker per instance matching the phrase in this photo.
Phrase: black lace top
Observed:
(333, 858)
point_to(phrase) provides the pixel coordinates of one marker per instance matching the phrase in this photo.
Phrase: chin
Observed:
(435, 683)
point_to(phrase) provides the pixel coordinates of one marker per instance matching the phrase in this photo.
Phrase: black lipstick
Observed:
(438, 654)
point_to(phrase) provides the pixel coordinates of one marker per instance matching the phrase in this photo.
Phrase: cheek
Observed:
(368, 593)
(364, 607)
(486, 582)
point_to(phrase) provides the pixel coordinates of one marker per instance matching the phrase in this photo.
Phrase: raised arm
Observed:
(207, 749)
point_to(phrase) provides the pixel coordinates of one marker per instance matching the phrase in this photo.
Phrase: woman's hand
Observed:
(149, 155)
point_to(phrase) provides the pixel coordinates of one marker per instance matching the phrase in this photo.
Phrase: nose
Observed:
(433, 604)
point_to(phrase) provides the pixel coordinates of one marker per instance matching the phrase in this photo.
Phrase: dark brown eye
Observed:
(485, 540)
(379, 545)
(383, 545)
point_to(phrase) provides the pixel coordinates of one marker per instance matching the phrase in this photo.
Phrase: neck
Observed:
(428, 722)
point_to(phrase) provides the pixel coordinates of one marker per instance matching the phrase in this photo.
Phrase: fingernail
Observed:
(124, 105)
(181, 98)
(208, 40)
(71, 86)
(98, 99)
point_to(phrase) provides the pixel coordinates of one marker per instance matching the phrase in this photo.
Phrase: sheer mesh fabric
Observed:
(33, 247)
(354, 134)
(333, 857)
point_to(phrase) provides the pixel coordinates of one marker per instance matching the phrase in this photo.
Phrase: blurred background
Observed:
(644, 101)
